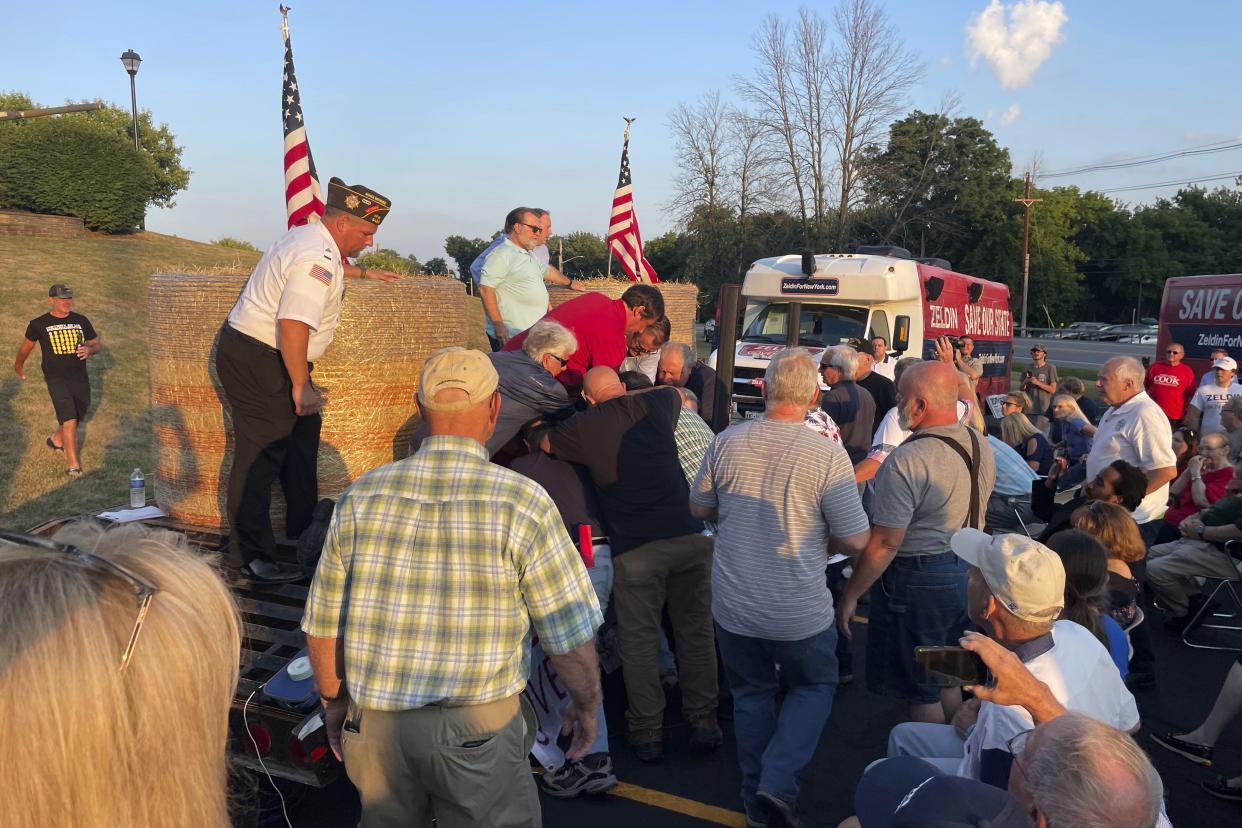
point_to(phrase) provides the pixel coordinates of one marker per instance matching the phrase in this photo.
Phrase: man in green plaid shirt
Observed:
(434, 572)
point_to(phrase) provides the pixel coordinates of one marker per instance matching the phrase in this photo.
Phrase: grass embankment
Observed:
(109, 278)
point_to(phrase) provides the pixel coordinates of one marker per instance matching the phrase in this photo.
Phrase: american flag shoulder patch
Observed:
(321, 274)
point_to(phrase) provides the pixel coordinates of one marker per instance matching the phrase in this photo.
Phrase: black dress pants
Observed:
(270, 442)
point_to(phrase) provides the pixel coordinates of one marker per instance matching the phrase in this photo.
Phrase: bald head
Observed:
(927, 396)
(601, 384)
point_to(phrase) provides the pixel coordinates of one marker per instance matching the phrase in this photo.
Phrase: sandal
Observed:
(74, 471)
(53, 446)
(1221, 789)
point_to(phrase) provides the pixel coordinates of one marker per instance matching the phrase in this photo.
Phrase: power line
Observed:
(1205, 149)
(1177, 182)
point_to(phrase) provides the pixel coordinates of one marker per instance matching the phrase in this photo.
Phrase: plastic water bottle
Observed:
(137, 490)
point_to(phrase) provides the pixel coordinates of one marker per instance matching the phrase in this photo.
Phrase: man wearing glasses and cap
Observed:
(1171, 383)
(67, 339)
(1203, 412)
(282, 322)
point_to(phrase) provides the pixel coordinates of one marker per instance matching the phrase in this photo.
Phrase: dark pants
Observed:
(836, 580)
(270, 442)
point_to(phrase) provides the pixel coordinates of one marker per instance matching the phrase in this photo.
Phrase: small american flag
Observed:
(624, 240)
(320, 273)
(303, 196)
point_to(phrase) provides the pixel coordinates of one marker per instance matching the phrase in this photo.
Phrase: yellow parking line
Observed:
(681, 805)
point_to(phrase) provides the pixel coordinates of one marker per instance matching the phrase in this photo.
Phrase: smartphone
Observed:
(950, 666)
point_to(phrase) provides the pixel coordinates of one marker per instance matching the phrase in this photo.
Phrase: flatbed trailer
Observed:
(286, 741)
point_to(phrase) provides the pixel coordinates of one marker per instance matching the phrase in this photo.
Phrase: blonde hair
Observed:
(91, 745)
(1113, 526)
(1016, 428)
(1075, 409)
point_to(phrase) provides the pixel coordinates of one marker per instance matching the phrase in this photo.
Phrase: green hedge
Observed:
(71, 166)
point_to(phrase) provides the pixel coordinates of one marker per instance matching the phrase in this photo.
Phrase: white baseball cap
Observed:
(1024, 575)
(1227, 363)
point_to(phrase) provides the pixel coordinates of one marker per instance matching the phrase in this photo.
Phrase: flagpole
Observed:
(625, 140)
(284, 21)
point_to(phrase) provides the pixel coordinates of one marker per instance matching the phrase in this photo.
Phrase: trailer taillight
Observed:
(260, 738)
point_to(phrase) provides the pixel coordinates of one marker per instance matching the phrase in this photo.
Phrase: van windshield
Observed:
(820, 326)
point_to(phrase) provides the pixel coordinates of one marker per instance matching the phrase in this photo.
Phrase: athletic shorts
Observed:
(70, 397)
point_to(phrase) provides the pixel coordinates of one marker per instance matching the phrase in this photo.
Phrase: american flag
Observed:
(624, 240)
(303, 196)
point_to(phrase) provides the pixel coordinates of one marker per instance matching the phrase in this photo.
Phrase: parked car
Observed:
(1077, 330)
(1134, 334)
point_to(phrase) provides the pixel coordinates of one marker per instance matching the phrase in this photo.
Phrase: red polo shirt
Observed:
(599, 324)
(1171, 386)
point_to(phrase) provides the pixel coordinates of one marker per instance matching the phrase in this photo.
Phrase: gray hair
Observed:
(687, 355)
(1087, 773)
(843, 358)
(549, 337)
(1126, 368)
(792, 377)
(689, 399)
(902, 365)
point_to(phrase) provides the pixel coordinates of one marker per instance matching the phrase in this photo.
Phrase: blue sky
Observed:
(460, 111)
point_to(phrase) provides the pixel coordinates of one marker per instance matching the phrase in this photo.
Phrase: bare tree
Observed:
(750, 164)
(700, 133)
(811, 71)
(870, 75)
(771, 92)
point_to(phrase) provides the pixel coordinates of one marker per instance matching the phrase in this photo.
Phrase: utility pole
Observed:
(1026, 201)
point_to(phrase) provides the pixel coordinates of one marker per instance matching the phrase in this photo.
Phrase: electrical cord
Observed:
(259, 756)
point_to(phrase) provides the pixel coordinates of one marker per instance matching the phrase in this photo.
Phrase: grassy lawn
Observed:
(109, 278)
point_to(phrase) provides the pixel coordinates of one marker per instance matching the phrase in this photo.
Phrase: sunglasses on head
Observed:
(144, 591)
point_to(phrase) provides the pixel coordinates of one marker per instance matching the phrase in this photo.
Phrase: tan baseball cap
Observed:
(460, 368)
(1024, 575)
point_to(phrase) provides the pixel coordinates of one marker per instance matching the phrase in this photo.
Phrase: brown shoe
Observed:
(705, 735)
(648, 745)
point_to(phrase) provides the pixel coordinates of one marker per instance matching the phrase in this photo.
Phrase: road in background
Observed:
(1075, 353)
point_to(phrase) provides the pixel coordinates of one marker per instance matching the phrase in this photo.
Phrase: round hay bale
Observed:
(681, 301)
(370, 372)
(476, 332)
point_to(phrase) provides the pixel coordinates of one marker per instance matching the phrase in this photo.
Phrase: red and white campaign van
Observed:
(1202, 313)
(854, 296)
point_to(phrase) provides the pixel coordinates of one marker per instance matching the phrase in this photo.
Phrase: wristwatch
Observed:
(1201, 530)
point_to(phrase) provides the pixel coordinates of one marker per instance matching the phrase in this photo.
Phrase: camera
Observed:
(956, 342)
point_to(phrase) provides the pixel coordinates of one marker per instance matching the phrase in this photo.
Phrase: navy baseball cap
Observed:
(906, 792)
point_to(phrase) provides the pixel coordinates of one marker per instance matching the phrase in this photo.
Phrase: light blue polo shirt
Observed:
(517, 277)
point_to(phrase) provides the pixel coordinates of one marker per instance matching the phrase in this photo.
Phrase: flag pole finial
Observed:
(628, 123)
(284, 20)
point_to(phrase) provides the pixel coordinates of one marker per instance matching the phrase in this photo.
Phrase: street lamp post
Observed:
(130, 60)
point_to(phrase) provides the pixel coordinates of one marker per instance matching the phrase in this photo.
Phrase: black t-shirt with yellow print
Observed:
(59, 338)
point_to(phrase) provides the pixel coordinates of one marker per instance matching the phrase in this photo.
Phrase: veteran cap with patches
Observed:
(357, 200)
(456, 368)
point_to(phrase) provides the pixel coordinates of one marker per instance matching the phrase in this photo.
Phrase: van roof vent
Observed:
(935, 261)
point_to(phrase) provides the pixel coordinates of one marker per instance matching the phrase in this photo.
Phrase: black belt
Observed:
(250, 339)
(599, 541)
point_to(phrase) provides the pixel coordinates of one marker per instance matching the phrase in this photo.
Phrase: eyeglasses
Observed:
(1171, 351)
(563, 362)
(143, 591)
(1010, 403)
(534, 228)
(1018, 743)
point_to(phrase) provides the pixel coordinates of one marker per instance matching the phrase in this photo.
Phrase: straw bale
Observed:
(681, 301)
(476, 333)
(370, 373)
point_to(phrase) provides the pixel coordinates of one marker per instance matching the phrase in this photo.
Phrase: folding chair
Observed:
(1228, 621)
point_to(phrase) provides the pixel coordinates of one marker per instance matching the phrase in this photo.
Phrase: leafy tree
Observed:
(159, 144)
(937, 188)
(584, 254)
(388, 259)
(436, 266)
(71, 166)
(464, 251)
(235, 244)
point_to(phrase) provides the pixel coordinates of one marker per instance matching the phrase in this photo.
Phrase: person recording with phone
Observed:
(1015, 592)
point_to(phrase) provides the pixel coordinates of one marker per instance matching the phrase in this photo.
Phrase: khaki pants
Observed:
(462, 766)
(679, 570)
(1173, 567)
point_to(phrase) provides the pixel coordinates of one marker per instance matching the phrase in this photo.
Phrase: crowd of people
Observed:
(585, 475)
